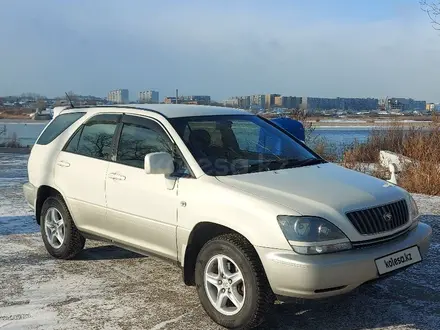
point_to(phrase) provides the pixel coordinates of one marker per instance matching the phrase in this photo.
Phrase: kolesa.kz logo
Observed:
(397, 261)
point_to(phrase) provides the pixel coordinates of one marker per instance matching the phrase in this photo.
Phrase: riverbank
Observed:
(6, 150)
(22, 121)
(369, 123)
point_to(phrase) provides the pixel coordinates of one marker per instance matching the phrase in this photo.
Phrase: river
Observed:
(27, 132)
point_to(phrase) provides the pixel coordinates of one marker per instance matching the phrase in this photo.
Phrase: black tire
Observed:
(73, 240)
(258, 298)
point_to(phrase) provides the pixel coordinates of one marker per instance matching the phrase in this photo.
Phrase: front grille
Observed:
(380, 219)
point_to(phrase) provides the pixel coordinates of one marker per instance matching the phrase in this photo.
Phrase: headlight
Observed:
(413, 211)
(312, 235)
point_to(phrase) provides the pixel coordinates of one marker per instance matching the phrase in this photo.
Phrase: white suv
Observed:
(248, 211)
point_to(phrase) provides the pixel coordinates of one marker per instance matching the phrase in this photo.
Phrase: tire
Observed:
(72, 243)
(256, 294)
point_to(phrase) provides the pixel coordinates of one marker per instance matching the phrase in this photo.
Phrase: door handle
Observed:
(63, 163)
(117, 176)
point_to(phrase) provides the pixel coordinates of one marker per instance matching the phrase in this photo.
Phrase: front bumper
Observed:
(30, 193)
(321, 276)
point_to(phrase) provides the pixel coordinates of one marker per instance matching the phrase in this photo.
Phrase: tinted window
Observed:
(138, 140)
(72, 145)
(58, 126)
(95, 137)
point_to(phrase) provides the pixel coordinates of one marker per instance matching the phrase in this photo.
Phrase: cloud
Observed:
(201, 48)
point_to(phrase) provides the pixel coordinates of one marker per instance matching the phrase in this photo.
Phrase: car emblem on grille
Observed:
(387, 216)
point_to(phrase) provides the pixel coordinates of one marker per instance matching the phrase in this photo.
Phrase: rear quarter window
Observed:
(58, 126)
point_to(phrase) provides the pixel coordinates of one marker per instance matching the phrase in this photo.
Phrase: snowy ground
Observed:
(109, 288)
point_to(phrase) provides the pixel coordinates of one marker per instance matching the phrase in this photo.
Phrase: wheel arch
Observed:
(43, 193)
(199, 236)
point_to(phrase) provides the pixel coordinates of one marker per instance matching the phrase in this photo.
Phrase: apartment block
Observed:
(258, 100)
(119, 96)
(148, 97)
(270, 100)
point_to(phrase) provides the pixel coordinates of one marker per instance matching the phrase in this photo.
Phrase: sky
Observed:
(322, 48)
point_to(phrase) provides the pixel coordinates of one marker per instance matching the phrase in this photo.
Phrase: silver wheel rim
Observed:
(54, 227)
(224, 285)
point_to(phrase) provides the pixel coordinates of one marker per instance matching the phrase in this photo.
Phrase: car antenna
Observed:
(71, 103)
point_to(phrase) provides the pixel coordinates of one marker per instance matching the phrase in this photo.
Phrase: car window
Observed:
(139, 139)
(94, 138)
(136, 141)
(57, 126)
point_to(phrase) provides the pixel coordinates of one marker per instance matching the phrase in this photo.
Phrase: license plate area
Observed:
(397, 260)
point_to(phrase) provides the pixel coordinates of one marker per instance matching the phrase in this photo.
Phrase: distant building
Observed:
(196, 99)
(400, 104)
(119, 96)
(243, 102)
(170, 100)
(430, 107)
(233, 103)
(148, 97)
(270, 100)
(258, 100)
(280, 101)
(288, 102)
(192, 99)
(340, 103)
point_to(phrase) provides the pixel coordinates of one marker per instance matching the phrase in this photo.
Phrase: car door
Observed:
(81, 169)
(141, 207)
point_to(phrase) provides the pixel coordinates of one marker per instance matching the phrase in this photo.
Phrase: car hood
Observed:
(318, 189)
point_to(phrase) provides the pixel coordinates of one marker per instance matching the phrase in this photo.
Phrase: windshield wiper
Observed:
(270, 165)
(309, 161)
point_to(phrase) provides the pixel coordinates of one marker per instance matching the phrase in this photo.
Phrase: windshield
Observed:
(237, 144)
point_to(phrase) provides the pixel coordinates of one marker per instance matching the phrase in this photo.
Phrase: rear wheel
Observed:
(60, 235)
(231, 282)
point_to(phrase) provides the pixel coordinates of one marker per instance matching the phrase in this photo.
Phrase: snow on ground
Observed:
(110, 288)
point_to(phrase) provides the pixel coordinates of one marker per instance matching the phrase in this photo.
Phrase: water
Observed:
(342, 135)
(25, 133)
(28, 132)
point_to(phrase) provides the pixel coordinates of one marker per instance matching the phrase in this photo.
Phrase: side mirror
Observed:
(159, 163)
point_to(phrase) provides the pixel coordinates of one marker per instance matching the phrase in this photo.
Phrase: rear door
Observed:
(81, 169)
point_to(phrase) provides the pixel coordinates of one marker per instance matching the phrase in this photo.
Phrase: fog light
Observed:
(321, 249)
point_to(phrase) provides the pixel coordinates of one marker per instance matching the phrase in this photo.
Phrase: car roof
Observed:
(169, 110)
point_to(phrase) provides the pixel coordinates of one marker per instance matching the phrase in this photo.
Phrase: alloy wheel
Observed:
(224, 285)
(54, 227)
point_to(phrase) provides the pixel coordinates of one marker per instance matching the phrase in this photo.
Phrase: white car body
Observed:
(155, 214)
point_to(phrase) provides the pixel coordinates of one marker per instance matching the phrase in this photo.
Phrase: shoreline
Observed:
(7, 150)
(369, 124)
(22, 121)
(317, 124)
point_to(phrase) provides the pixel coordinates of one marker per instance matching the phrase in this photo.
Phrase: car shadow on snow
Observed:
(107, 252)
(16, 225)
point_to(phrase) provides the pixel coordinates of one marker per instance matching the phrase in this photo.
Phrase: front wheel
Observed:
(231, 282)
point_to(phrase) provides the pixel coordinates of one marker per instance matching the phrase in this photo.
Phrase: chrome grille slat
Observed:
(394, 210)
(373, 220)
(376, 215)
(399, 212)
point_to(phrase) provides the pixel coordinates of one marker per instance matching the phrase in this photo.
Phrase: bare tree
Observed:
(40, 105)
(432, 9)
(3, 130)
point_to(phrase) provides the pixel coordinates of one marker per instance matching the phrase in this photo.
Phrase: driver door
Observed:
(142, 208)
